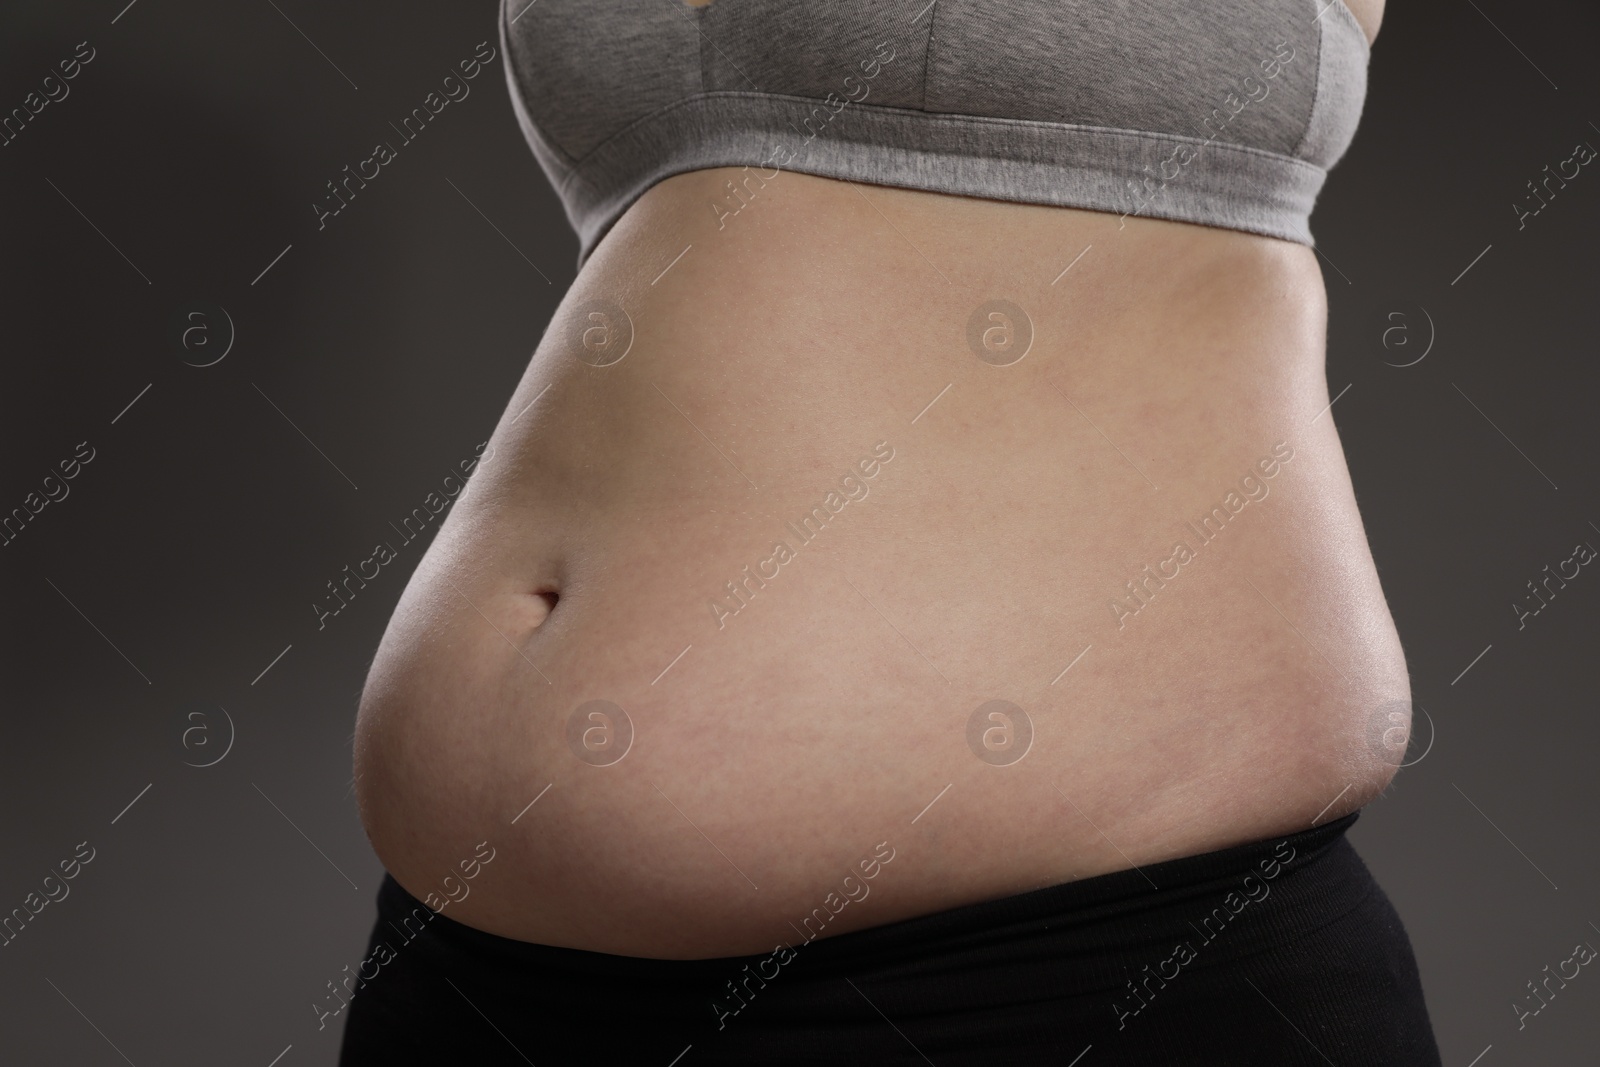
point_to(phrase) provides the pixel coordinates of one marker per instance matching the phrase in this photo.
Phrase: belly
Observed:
(1013, 544)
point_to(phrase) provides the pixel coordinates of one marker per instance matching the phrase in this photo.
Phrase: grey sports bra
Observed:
(1222, 113)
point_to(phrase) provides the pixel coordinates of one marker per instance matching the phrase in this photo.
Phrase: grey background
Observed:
(188, 551)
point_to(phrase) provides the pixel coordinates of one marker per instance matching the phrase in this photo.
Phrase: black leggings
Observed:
(1279, 953)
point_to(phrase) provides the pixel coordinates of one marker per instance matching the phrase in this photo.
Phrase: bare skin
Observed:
(779, 738)
(1369, 13)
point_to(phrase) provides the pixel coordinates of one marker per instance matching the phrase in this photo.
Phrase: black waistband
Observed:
(1122, 916)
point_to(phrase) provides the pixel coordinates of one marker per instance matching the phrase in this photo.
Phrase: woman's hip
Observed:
(1281, 951)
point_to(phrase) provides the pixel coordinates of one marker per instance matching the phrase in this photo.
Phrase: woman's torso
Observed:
(999, 529)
